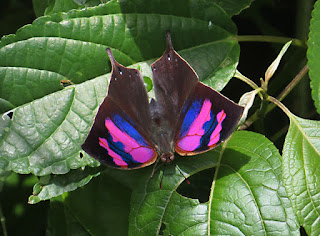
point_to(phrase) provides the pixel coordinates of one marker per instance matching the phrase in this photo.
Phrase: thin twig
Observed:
(270, 39)
(293, 83)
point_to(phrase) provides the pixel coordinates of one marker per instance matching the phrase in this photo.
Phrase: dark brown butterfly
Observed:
(186, 117)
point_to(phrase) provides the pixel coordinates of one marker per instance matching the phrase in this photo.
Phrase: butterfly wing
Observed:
(207, 119)
(173, 80)
(120, 136)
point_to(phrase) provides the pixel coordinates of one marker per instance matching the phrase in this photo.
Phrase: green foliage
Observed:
(313, 55)
(301, 161)
(54, 74)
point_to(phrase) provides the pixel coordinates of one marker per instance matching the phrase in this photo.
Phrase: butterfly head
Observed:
(166, 146)
(167, 157)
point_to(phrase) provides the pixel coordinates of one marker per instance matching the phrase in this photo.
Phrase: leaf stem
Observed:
(280, 105)
(248, 81)
(270, 39)
(3, 223)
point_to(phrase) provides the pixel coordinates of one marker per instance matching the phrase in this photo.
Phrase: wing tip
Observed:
(111, 57)
(169, 42)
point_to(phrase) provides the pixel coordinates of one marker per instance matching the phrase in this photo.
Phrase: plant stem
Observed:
(270, 39)
(293, 83)
(3, 223)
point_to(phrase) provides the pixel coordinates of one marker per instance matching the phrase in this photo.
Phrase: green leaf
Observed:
(104, 209)
(247, 196)
(50, 122)
(233, 7)
(301, 172)
(54, 6)
(59, 184)
(189, 211)
(44, 136)
(313, 55)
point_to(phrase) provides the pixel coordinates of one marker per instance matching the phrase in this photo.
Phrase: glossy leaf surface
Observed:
(301, 172)
(313, 55)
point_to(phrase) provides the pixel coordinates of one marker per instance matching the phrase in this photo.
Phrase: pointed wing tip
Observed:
(169, 42)
(111, 57)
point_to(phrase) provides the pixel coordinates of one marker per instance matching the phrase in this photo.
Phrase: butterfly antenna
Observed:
(164, 169)
(188, 182)
(154, 168)
(169, 43)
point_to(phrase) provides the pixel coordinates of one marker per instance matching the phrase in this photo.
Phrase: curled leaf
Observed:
(247, 100)
(274, 65)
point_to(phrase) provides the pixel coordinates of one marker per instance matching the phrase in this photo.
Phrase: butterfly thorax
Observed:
(162, 135)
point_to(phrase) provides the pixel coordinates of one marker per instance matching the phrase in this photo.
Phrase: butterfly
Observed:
(186, 116)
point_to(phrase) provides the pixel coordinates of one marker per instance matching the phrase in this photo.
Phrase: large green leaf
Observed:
(313, 54)
(72, 47)
(100, 208)
(52, 6)
(301, 171)
(49, 122)
(247, 196)
(53, 186)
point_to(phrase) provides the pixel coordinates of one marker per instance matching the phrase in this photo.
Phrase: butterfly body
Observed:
(187, 116)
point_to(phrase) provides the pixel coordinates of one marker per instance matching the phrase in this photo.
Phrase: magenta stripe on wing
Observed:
(191, 140)
(137, 152)
(116, 157)
(118, 135)
(203, 117)
(215, 136)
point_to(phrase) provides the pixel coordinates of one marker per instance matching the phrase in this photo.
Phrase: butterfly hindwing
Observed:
(121, 133)
(207, 118)
(115, 141)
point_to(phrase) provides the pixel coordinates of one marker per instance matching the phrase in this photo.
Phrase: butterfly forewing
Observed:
(207, 119)
(128, 91)
(173, 79)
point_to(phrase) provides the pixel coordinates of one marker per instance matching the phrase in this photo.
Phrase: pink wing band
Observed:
(141, 154)
(215, 136)
(116, 157)
(191, 140)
